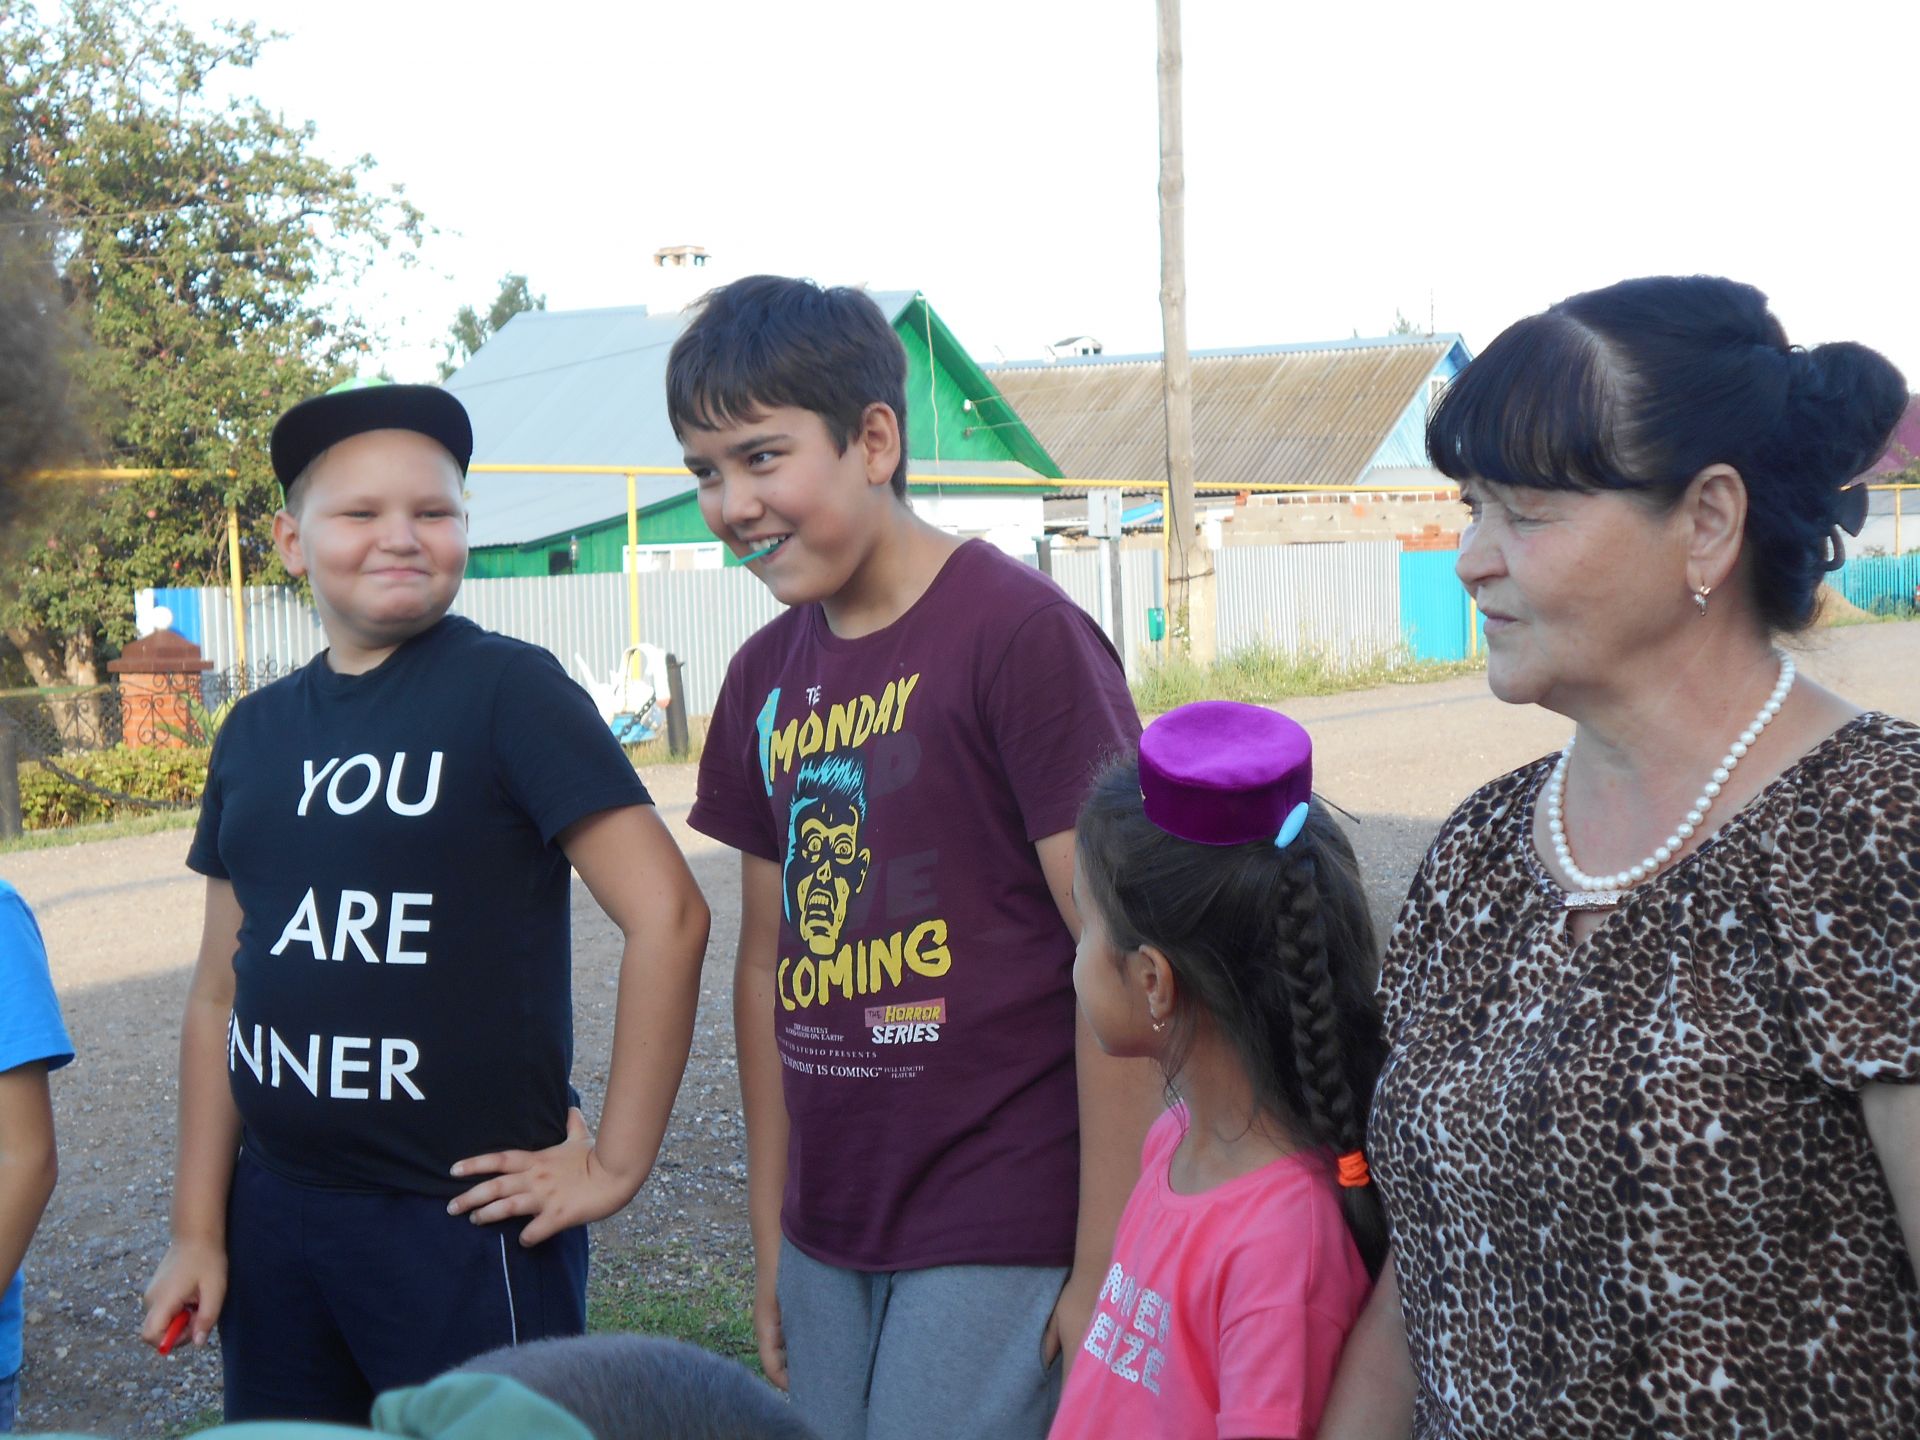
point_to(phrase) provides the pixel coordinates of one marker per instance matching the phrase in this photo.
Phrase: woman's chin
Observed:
(1512, 683)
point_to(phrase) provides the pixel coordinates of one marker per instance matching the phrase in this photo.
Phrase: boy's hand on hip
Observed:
(565, 1185)
(192, 1274)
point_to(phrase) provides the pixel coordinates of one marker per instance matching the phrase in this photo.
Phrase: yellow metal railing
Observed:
(632, 473)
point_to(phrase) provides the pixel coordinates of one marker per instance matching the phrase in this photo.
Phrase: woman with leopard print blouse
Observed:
(1649, 1135)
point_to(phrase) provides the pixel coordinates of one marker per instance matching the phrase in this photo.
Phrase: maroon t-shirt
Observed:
(925, 1010)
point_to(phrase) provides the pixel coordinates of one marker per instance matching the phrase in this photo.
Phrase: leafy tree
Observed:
(471, 330)
(1901, 454)
(1403, 326)
(202, 248)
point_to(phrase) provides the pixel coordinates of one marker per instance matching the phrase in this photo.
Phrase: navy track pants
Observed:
(336, 1295)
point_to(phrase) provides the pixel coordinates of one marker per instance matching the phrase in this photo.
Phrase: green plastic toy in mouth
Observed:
(762, 554)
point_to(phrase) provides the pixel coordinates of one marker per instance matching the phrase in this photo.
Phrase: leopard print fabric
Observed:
(1629, 1185)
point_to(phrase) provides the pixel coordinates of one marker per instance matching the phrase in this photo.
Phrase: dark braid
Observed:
(1321, 1050)
(1274, 948)
(1300, 945)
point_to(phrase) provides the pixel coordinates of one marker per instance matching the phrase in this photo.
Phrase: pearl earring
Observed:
(1159, 1025)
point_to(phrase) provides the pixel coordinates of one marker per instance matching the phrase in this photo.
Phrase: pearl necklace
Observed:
(1603, 892)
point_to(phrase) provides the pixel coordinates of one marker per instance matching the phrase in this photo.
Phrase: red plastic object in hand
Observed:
(175, 1329)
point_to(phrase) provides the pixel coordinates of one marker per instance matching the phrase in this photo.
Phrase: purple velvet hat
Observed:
(1220, 773)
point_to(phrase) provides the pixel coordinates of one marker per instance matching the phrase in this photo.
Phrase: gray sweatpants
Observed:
(950, 1353)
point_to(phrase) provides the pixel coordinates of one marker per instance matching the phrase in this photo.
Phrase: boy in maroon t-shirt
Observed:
(937, 1148)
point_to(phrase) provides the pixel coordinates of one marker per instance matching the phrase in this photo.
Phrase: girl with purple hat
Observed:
(1225, 934)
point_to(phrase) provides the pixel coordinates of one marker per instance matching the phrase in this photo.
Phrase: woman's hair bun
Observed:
(1843, 402)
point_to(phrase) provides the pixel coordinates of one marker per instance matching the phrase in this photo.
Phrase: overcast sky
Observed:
(1473, 161)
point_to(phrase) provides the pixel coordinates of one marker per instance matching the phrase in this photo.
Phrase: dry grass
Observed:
(1263, 675)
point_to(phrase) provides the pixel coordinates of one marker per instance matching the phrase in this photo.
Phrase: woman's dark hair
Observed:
(769, 341)
(1274, 946)
(1644, 384)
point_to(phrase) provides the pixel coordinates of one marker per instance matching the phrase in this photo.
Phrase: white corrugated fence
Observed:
(1336, 599)
(1343, 599)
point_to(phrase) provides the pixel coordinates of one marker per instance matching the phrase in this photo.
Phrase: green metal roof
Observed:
(588, 387)
(991, 412)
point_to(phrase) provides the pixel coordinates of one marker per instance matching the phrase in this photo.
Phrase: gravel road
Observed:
(122, 919)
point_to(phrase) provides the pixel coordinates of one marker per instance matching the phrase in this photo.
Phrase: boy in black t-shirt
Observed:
(381, 1012)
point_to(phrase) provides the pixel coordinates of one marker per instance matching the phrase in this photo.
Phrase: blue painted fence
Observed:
(185, 605)
(1880, 584)
(1434, 612)
(1434, 609)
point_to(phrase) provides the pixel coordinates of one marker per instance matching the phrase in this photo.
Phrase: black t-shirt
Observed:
(403, 984)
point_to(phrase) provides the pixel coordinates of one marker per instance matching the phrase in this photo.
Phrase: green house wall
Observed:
(671, 522)
(602, 546)
(940, 378)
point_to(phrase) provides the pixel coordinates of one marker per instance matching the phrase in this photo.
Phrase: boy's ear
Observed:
(880, 442)
(286, 539)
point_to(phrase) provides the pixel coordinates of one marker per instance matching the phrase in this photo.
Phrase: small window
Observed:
(559, 562)
(654, 559)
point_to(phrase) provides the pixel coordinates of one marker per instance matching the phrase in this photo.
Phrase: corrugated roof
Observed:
(576, 387)
(1284, 414)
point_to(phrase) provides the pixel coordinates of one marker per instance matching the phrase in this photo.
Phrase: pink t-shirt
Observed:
(1223, 1313)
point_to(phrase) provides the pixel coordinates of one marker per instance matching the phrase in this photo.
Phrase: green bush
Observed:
(203, 725)
(48, 802)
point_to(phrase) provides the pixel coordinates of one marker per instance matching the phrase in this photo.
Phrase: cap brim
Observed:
(324, 421)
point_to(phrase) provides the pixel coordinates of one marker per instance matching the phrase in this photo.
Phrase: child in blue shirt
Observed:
(32, 1042)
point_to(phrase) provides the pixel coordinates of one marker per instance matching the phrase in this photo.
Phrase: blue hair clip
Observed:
(1289, 832)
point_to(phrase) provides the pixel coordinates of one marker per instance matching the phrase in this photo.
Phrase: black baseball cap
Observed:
(357, 406)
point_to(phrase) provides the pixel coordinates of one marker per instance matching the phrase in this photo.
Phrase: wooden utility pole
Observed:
(1190, 625)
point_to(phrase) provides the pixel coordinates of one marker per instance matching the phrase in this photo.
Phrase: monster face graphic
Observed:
(826, 864)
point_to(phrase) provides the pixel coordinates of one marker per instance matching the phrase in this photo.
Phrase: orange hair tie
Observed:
(1353, 1170)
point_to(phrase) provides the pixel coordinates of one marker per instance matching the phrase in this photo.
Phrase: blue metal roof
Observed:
(575, 387)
